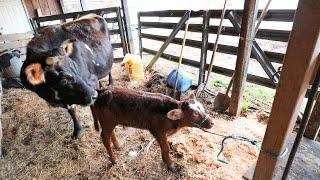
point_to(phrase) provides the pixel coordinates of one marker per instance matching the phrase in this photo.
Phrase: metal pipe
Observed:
(303, 125)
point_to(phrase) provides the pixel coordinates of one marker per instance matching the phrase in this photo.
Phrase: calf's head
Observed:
(60, 76)
(191, 113)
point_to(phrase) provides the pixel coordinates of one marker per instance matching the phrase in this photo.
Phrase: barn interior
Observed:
(267, 51)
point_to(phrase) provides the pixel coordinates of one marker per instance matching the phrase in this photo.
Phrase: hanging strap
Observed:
(181, 51)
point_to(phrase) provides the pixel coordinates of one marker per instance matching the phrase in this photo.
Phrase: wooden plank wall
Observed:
(47, 7)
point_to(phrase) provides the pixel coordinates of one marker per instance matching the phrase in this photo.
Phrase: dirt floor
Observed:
(37, 143)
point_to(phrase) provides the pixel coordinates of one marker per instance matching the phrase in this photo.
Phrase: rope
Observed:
(233, 136)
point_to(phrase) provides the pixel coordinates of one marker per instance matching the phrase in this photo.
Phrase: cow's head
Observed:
(59, 75)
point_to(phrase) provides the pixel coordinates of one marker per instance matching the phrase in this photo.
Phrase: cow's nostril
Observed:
(95, 96)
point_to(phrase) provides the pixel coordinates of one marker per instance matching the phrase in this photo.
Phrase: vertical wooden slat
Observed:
(127, 25)
(52, 7)
(244, 52)
(139, 34)
(299, 63)
(122, 34)
(204, 47)
(29, 8)
(44, 7)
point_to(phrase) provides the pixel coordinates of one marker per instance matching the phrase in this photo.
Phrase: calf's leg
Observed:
(115, 140)
(164, 145)
(77, 128)
(0, 134)
(106, 139)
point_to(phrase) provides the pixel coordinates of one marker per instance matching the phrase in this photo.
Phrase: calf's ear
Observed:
(175, 114)
(192, 96)
(34, 73)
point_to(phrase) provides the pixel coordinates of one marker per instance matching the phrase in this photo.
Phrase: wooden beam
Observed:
(313, 127)
(127, 25)
(244, 51)
(299, 63)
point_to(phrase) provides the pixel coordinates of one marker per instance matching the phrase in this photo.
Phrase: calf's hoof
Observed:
(117, 145)
(173, 167)
(77, 134)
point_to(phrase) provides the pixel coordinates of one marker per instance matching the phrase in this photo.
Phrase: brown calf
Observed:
(160, 114)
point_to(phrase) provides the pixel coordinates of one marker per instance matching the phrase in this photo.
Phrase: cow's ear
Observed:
(67, 45)
(34, 73)
(175, 114)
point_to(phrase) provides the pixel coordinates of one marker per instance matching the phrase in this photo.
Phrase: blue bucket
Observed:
(184, 82)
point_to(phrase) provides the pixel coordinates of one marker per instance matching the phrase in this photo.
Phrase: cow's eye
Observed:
(64, 82)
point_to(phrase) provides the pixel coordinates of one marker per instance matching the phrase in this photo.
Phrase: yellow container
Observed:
(134, 66)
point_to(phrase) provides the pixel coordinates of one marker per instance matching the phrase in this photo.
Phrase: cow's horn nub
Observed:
(51, 60)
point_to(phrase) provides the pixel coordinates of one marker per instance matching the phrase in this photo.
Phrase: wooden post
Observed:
(127, 25)
(204, 47)
(244, 51)
(299, 64)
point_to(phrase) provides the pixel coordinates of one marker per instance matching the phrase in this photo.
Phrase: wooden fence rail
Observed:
(264, 34)
(282, 15)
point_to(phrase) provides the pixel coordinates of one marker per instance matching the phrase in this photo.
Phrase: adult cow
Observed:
(65, 62)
